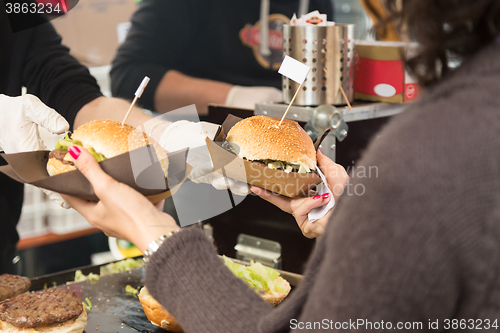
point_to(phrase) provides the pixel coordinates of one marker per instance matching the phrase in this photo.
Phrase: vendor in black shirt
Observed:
(34, 58)
(199, 51)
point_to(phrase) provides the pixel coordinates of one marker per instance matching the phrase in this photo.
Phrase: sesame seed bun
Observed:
(260, 138)
(158, 316)
(109, 138)
(55, 167)
(156, 313)
(275, 299)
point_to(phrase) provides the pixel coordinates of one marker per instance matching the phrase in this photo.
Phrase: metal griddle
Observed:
(113, 310)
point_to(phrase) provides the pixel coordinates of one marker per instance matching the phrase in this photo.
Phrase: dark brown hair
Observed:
(446, 30)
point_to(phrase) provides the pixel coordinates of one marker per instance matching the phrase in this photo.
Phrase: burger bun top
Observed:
(260, 138)
(110, 138)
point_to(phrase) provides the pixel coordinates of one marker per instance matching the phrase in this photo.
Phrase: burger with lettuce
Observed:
(260, 139)
(103, 139)
(265, 281)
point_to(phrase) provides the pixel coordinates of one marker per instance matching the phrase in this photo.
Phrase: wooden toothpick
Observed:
(291, 102)
(138, 94)
(345, 97)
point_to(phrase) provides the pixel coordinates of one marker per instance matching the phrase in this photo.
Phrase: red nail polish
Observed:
(326, 195)
(320, 151)
(317, 197)
(75, 152)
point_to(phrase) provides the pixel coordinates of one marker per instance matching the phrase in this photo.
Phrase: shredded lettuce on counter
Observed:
(87, 304)
(112, 268)
(121, 266)
(79, 276)
(131, 290)
(256, 276)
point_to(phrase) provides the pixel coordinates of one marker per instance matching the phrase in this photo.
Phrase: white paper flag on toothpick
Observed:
(294, 69)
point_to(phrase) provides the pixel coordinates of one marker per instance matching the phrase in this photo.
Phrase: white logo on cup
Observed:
(384, 90)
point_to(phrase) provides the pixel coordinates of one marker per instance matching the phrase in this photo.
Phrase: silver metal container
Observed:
(329, 51)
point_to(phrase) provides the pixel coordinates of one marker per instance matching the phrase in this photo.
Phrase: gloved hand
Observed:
(182, 134)
(19, 120)
(247, 97)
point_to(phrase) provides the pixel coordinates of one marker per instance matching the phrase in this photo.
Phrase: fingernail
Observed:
(320, 151)
(75, 152)
(326, 195)
(317, 197)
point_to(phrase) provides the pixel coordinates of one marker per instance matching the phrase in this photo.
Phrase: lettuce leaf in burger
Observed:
(103, 139)
(260, 139)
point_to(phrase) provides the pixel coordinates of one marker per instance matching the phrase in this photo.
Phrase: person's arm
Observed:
(155, 46)
(111, 108)
(388, 254)
(52, 74)
(176, 90)
(162, 33)
(62, 83)
(377, 262)
(156, 43)
(384, 257)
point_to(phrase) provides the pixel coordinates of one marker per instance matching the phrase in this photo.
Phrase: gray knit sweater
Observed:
(419, 246)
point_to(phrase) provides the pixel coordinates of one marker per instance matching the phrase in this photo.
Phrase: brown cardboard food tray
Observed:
(31, 168)
(292, 185)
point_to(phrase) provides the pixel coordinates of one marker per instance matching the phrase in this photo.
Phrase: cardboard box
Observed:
(93, 29)
(293, 184)
(139, 169)
(380, 73)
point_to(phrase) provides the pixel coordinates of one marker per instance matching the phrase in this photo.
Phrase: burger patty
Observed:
(228, 147)
(59, 154)
(41, 308)
(12, 285)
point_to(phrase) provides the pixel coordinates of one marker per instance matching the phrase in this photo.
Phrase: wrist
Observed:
(154, 245)
(154, 234)
(157, 227)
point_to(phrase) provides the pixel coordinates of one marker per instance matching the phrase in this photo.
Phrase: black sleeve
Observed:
(324, 7)
(52, 74)
(160, 33)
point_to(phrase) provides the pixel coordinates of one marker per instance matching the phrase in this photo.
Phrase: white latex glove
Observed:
(19, 120)
(247, 97)
(183, 134)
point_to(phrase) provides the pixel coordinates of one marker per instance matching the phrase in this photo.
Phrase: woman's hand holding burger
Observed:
(124, 213)
(336, 177)
(121, 211)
